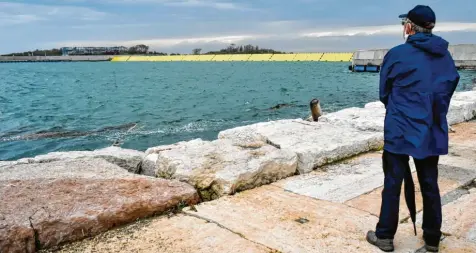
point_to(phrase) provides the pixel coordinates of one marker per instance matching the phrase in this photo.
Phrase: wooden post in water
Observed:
(316, 111)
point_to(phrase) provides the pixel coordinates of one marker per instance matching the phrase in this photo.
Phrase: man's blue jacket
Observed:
(417, 81)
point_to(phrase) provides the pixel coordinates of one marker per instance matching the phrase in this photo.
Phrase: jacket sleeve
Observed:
(386, 77)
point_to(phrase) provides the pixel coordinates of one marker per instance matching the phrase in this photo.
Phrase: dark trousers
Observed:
(394, 167)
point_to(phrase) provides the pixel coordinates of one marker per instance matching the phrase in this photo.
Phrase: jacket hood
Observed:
(430, 43)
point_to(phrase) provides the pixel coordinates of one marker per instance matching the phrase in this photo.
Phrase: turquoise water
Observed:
(170, 101)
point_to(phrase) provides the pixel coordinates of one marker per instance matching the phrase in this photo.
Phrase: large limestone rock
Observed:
(89, 168)
(462, 107)
(461, 111)
(48, 204)
(315, 143)
(125, 158)
(469, 96)
(218, 168)
(365, 119)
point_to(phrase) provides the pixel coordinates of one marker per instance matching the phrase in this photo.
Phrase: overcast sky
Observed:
(181, 25)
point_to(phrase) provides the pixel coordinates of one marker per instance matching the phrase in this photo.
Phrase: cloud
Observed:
(215, 4)
(162, 42)
(14, 19)
(19, 13)
(386, 30)
(337, 34)
(211, 4)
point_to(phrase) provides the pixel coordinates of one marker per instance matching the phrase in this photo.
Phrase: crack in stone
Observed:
(230, 230)
(273, 144)
(35, 234)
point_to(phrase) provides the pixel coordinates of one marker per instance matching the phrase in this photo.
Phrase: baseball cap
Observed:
(421, 15)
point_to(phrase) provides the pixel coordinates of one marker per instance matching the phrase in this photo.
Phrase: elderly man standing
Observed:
(417, 81)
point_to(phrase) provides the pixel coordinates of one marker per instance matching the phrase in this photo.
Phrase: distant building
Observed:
(93, 50)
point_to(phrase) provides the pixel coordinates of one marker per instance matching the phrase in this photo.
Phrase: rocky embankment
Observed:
(61, 197)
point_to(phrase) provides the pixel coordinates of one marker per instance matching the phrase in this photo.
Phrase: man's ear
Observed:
(408, 28)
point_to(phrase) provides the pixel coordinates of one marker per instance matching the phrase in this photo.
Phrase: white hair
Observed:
(418, 29)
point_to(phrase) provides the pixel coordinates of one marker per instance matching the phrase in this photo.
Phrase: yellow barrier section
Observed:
(157, 58)
(239, 57)
(260, 57)
(163, 58)
(205, 57)
(325, 57)
(138, 58)
(283, 57)
(337, 57)
(222, 57)
(314, 57)
(175, 57)
(190, 58)
(120, 58)
(301, 57)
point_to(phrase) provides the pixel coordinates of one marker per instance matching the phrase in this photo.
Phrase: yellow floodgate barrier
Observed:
(299, 57)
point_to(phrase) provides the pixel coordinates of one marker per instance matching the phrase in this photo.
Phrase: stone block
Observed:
(43, 208)
(219, 168)
(364, 119)
(124, 158)
(339, 182)
(315, 143)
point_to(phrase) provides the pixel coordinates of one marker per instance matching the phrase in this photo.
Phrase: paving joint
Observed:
(451, 196)
(271, 250)
(346, 205)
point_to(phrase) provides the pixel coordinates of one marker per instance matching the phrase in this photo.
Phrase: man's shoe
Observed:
(427, 248)
(383, 244)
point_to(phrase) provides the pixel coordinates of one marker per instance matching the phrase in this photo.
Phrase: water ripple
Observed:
(172, 101)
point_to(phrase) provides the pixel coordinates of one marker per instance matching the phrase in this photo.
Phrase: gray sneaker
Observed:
(427, 248)
(383, 244)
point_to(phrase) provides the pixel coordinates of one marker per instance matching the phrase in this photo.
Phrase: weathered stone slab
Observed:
(42, 208)
(465, 135)
(450, 178)
(459, 217)
(316, 143)
(219, 168)
(406, 241)
(7, 163)
(93, 168)
(291, 223)
(375, 105)
(462, 107)
(339, 182)
(365, 119)
(461, 162)
(469, 96)
(462, 145)
(180, 233)
(461, 111)
(125, 158)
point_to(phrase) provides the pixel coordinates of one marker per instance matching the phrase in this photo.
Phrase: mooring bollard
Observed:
(316, 111)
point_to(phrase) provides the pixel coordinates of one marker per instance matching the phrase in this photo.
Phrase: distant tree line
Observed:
(144, 50)
(51, 52)
(242, 49)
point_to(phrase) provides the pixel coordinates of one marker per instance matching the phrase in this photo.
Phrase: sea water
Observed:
(170, 101)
